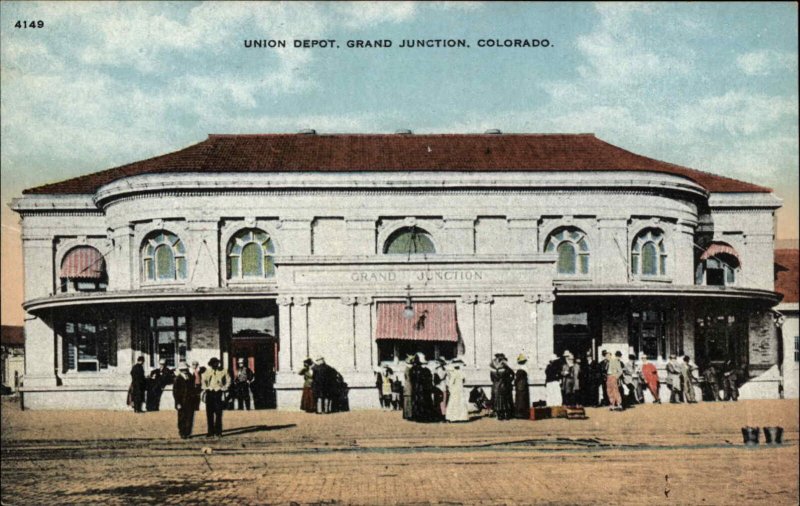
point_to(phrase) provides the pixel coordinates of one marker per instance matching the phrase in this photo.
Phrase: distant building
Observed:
(12, 350)
(787, 279)
(366, 248)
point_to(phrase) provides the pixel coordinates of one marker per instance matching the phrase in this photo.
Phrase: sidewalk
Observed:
(373, 457)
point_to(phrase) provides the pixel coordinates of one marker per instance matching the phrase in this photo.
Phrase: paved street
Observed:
(655, 454)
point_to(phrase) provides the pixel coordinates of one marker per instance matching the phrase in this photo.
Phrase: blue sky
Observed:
(709, 85)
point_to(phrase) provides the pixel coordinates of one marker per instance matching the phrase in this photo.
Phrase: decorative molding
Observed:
(364, 300)
(283, 300)
(301, 301)
(469, 299)
(485, 299)
(348, 300)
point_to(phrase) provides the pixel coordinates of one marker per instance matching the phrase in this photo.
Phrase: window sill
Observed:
(652, 279)
(576, 278)
(254, 281)
(162, 284)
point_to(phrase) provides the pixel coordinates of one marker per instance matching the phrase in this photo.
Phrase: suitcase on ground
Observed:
(540, 413)
(576, 413)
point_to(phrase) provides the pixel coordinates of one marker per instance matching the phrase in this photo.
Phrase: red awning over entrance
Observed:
(716, 248)
(83, 262)
(432, 321)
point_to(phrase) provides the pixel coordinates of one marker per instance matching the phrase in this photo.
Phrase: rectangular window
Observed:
(391, 350)
(797, 348)
(648, 334)
(89, 346)
(169, 339)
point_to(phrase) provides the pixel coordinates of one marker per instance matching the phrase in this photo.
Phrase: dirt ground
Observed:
(654, 454)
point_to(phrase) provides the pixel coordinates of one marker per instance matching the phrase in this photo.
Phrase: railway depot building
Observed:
(365, 248)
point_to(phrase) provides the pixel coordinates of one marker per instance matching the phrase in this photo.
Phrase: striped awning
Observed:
(716, 248)
(83, 262)
(432, 321)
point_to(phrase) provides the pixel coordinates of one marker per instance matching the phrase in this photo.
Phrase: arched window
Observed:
(163, 257)
(572, 248)
(250, 254)
(409, 241)
(718, 265)
(83, 269)
(648, 254)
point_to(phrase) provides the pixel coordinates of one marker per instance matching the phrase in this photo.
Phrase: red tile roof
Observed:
(397, 152)
(12, 335)
(787, 274)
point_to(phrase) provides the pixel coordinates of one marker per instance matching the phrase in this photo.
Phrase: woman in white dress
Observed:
(456, 401)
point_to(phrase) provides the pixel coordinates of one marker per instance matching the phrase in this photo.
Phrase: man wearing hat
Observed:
(421, 387)
(408, 392)
(674, 379)
(522, 398)
(185, 396)
(159, 378)
(241, 384)
(215, 387)
(138, 385)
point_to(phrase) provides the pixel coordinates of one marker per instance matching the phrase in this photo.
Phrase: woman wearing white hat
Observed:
(456, 402)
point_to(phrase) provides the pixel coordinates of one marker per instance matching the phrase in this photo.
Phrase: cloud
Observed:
(764, 62)
(616, 54)
(366, 14)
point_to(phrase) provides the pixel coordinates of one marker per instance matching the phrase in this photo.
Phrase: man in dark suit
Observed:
(138, 385)
(185, 400)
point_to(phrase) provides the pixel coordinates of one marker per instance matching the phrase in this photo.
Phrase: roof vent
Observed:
(493, 131)
(307, 131)
(403, 131)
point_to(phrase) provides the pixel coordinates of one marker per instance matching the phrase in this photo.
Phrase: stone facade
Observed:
(490, 232)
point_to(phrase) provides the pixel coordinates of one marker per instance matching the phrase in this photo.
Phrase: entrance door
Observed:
(571, 332)
(252, 330)
(259, 355)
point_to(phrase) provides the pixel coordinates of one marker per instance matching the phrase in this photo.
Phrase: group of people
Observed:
(147, 389)
(324, 388)
(620, 383)
(212, 386)
(432, 391)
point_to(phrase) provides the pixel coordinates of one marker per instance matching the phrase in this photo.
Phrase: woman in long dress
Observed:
(552, 375)
(522, 399)
(650, 377)
(307, 402)
(456, 402)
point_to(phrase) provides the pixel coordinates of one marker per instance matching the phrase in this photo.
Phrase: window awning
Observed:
(432, 321)
(83, 262)
(716, 248)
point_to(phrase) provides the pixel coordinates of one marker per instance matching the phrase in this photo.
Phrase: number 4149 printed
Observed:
(29, 24)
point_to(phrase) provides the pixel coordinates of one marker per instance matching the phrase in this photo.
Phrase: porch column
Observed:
(299, 331)
(40, 354)
(40, 342)
(363, 334)
(286, 361)
(351, 304)
(544, 328)
(124, 343)
(465, 314)
(483, 331)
